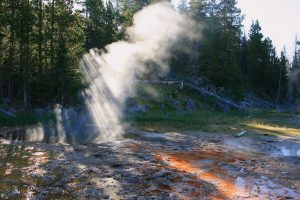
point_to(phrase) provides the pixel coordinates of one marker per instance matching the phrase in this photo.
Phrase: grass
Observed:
(211, 121)
(270, 122)
(273, 129)
(163, 117)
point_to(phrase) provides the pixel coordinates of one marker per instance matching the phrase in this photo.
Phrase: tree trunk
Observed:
(40, 40)
(52, 34)
(1, 59)
(12, 31)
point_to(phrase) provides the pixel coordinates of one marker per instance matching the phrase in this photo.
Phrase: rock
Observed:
(39, 111)
(162, 173)
(241, 134)
(44, 192)
(97, 155)
(162, 106)
(190, 106)
(154, 197)
(13, 195)
(47, 178)
(70, 114)
(93, 193)
(176, 104)
(133, 180)
(137, 108)
(34, 175)
(116, 165)
(223, 107)
(244, 104)
(57, 190)
(105, 196)
(131, 198)
(12, 110)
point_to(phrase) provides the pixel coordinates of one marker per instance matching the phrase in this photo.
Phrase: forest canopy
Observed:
(42, 42)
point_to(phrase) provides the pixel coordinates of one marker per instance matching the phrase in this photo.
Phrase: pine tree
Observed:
(283, 80)
(221, 44)
(296, 56)
(2, 48)
(255, 61)
(267, 73)
(182, 7)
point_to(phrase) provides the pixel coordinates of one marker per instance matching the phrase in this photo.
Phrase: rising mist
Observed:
(111, 74)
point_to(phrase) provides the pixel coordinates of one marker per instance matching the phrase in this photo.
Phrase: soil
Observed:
(154, 166)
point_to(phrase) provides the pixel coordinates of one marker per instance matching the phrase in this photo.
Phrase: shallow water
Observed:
(218, 169)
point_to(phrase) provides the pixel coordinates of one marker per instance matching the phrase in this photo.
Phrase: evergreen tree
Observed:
(267, 73)
(283, 80)
(255, 50)
(31, 55)
(219, 52)
(101, 24)
(42, 41)
(296, 56)
(95, 24)
(183, 7)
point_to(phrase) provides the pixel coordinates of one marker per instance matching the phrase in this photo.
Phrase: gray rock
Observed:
(44, 192)
(12, 110)
(223, 107)
(131, 198)
(93, 193)
(57, 190)
(137, 108)
(154, 197)
(190, 105)
(70, 114)
(176, 104)
(162, 173)
(39, 111)
(244, 104)
(34, 175)
(47, 178)
(13, 195)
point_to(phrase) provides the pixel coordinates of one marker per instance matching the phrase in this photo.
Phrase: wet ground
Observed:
(154, 166)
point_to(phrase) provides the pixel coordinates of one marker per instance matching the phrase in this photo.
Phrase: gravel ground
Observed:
(153, 166)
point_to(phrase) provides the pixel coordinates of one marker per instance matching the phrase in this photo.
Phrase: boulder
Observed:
(39, 111)
(190, 105)
(176, 104)
(137, 108)
(223, 107)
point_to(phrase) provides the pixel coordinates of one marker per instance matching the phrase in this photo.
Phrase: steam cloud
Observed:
(111, 74)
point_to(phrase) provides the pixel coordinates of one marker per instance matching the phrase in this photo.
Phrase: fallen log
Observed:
(180, 83)
(241, 134)
(7, 113)
(205, 92)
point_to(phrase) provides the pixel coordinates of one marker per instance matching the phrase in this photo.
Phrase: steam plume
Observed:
(110, 75)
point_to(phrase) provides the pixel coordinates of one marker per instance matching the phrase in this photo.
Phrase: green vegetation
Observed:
(262, 122)
(174, 121)
(24, 118)
(167, 112)
(42, 41)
